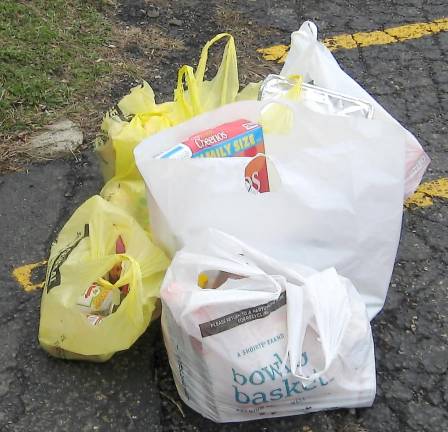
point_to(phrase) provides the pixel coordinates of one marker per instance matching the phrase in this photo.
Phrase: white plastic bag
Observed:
(270, 341)
(311, 59)
(338, 204)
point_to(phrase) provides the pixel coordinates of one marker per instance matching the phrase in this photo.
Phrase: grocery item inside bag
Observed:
(102, 297)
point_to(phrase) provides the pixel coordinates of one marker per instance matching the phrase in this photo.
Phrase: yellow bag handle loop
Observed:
(294, 93)
(194, 107)
(229, 51)
(134, 295)
(131, 276)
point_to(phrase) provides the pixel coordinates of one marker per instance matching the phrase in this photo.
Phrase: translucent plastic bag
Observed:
(337, 201)
(80, 270)
(271, 340)
(311, 59)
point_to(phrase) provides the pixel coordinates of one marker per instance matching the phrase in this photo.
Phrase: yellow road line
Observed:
(23, 276)
(363, 39)
(423, 196)
(276, 53)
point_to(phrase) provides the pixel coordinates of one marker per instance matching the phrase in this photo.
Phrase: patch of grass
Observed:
(50, 56)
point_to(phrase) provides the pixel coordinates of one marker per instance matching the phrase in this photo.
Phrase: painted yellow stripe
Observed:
(23, 276)
(275, 53)
(363, 39)
(423, 196)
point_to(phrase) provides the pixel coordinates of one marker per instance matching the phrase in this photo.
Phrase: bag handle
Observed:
(309, 28)
(226, 262)
(193, 107)
(228, 56)
(268, 121)
(131, 276)
(192, 104)
(323, 300)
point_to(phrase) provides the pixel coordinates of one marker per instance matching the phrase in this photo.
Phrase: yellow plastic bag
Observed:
(277, 118)
(128, 194)
(138, 116)
(84, 252)
(203, 96)
(135, 117)
(250, 92)
(125, 187)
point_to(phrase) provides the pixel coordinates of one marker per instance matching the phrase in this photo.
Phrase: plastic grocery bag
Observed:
(138, 116)
(338, 203)
(129, 195)
(81, 261)
(310, 58)
(271, 340)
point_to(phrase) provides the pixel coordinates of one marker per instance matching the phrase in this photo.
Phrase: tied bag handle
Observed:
(325, 299)
(302, 46)
(280, 115)
(310, 29)
(134, 299)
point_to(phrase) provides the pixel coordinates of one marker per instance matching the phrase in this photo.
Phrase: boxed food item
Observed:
(239, 138)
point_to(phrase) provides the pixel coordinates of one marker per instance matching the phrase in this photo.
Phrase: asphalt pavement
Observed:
(135, 390)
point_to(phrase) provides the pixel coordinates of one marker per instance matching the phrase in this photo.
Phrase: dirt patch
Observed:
(13, 152)
(150, 40)
(189, 24)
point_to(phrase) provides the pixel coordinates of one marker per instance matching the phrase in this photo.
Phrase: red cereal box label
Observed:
(240, 138)
(256, 175)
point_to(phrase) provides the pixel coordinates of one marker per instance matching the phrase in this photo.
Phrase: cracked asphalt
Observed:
(135, 390)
